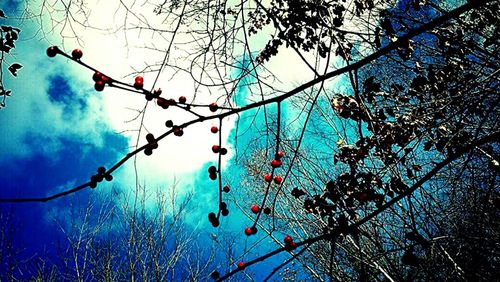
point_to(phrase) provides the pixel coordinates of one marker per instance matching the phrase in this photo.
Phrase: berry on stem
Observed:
(182, 99)
(99, 85)
(268, 177)
(178, 131)
(154, 145)
(77, 54)
(97, 76)
(212, 169)
(255, 208)
(226, 189)
(139, 82)
(214, 129)
(215, 223)
(52, 51)
(215, 148)
(248, 231)
(288, 239)
(105, 79)
(150, 137)
(223, 151)
(278, 179)
(241, 265)
(162, 103)
(292, 245)
(280, 154)
(213, 107)
(276, 163)
(101, 170)
(169, 123)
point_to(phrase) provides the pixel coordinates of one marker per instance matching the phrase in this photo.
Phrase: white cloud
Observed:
(31, 113)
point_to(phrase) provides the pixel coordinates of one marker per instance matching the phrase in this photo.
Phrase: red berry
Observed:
(139, 79)
(226, 189)
(178, 131)
(241, 265)
(215, 148)
(139, 82)
(171, 102)
(248, 231)
(267, 210)
(214, 129)
(97, 76)
(99, 85)
(182, 100)
(105, 79)
(162, 103)
(288, 239)
(280, 154)
(223, 151)
(52, 51)
(77, 54)
(278, 179)
(276, 163)
(213, 107)
(268, 177)
(292, 245)
(255, 208)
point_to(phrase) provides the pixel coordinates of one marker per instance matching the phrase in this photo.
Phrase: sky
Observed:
(57, 130)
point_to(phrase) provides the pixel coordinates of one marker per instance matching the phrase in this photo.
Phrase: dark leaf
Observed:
(14, 67)
(6, 28)
(5, 48)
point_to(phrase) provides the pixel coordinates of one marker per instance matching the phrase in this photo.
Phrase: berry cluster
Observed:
(212, 172)
(101, 174)
(223, 209)
(275, 163)
(289, 243)
(152, 144)
(177, 130)
(217, 149)
(213, 219)
(165, 103)
(100, 81)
